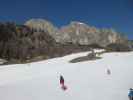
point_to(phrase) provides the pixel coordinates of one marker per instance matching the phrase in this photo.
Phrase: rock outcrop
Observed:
(82, 34)
(41, 25)
(78, 33)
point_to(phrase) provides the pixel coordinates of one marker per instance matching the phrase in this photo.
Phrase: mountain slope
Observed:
(78, 33)
(41, 25)
(83, 34)
(20, 42)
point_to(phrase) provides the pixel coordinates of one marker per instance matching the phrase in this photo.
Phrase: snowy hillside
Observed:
(85, 80)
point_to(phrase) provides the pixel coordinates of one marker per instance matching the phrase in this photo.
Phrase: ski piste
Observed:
(87, 80)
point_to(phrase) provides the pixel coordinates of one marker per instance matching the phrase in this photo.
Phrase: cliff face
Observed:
(41, 25)
(78, 33)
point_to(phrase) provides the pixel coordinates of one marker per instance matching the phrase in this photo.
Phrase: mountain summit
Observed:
(41, 25)
(78, 33)
(83, 34)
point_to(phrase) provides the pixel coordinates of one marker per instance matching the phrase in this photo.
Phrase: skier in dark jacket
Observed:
(130, 94)
(63, 86)
(61, 80)
(108, 71)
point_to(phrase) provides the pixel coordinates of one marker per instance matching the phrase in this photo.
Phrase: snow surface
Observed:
(85, 80)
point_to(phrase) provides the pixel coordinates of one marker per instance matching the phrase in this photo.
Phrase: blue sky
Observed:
(117, 14)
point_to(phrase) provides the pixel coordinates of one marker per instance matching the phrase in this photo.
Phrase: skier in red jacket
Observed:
(63, 86)
(61, 80)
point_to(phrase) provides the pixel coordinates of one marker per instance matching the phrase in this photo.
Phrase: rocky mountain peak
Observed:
(77, 33)
(41, 25)
(83, 34)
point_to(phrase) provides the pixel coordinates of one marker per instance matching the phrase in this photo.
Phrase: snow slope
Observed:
(85, 80)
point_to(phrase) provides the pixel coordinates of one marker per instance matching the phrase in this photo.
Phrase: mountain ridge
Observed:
(78, 33)
(40, 38)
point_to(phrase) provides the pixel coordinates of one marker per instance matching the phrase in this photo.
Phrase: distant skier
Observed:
(108, 71)
(130, 94)
(63, 86)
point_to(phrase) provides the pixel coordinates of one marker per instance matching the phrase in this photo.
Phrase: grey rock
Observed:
(41, 25)
(78, 33)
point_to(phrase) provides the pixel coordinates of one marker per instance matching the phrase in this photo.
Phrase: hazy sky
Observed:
(117, 14)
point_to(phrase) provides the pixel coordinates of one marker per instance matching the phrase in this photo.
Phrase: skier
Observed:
(108, 71)
(63, 86)
(130, 94)
(61, 80)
